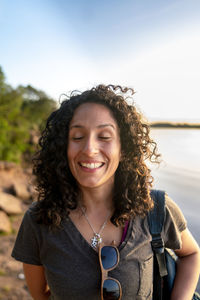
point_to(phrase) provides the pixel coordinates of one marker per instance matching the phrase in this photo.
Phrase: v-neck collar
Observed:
(79, 236)
(82, 241)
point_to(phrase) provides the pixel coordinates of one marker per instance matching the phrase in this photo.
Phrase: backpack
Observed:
(164, 258)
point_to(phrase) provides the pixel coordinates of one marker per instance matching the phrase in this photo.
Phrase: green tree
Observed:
(23, 112)
(36, 106)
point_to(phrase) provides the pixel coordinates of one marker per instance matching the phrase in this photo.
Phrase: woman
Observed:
(94, 187)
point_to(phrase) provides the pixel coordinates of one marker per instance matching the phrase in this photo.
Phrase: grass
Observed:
(13, 231)
(2, 272)
(2, 233)
(6, 288)
(12, 218)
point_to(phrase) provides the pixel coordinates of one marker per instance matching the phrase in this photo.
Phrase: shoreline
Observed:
(175, 125)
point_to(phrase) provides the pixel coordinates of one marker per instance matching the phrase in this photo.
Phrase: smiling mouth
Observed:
(91, 165)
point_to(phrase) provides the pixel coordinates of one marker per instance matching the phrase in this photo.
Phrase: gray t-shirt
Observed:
(72, 266)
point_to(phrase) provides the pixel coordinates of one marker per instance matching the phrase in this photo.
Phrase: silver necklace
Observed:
(97, 239)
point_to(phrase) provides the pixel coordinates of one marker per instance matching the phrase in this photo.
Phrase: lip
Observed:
(90, 166)
(91, 162)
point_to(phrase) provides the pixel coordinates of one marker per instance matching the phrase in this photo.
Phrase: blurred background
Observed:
(52, 47)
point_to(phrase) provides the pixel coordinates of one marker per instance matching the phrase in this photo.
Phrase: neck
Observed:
(97, 199)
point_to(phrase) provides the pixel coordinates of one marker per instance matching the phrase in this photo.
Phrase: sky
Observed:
(152, 46)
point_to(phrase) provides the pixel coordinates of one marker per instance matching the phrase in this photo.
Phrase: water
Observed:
(179, 173)
(180, 148)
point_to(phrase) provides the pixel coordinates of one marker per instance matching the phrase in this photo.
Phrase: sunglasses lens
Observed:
(109, 257)
(111, 290)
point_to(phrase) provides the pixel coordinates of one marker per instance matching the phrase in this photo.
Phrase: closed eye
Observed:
(77, 138)
(105, 137)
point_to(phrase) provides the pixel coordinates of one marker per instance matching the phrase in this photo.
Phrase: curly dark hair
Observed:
(58, 190)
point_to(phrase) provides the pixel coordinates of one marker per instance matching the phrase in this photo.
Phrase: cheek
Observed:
(70, 158)
(114, 153)
(71, 152)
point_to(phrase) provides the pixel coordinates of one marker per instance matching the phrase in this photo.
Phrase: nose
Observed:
(90, 146)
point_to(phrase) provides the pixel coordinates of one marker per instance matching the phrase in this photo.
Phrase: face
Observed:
(93, 146)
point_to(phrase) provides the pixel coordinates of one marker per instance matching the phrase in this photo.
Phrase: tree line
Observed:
(23, 112)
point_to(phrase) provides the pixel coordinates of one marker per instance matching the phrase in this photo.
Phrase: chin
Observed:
(89, 185)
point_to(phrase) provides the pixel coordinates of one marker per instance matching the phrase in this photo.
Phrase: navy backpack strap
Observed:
(156, 218)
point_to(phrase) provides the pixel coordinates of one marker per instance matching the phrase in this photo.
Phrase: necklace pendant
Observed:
(96, 240)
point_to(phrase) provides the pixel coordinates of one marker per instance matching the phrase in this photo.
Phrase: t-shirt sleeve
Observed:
(26, 248)
(174, 224)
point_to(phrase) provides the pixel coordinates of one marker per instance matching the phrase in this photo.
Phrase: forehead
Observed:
(92, 113)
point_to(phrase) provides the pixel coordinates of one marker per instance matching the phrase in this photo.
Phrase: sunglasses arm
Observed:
(104, 276)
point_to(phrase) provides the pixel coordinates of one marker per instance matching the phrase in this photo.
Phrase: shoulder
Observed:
(175, 223)
(31, 212)
(174, 213)
(30, 216)
(29, 239)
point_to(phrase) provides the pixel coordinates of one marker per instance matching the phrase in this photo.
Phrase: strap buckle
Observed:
(157, 244)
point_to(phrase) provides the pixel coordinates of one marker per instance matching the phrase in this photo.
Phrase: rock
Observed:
(21, 191)
(34, 137)
(10, 204)
(16, 221)
(5, 225)
(12, 266)
(21, 276)
(6, 165)
(17, 181)
(33, 192)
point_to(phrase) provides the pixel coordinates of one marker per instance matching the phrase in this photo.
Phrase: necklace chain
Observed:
(97, 239)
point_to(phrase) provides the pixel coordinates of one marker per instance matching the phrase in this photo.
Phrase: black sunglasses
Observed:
(109, 259)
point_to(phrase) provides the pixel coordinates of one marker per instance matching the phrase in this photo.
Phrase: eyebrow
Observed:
(99, 126)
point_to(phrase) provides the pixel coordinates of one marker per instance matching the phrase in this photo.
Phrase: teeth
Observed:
(92, 165)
